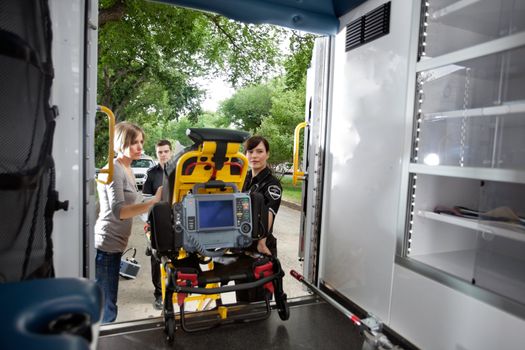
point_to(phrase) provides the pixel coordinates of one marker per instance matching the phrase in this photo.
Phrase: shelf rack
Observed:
(515, 232)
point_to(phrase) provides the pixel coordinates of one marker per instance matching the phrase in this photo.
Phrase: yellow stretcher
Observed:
(215, 158)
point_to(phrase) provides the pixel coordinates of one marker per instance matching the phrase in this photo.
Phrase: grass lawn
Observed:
(291, 193)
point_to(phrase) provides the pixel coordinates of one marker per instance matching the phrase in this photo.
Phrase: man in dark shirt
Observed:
(154, 180)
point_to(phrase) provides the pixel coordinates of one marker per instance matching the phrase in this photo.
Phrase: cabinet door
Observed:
(473, 112)
(467, 172)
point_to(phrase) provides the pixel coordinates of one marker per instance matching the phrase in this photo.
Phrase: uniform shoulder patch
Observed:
(274, 191)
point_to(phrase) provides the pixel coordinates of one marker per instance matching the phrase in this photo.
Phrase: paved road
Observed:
(135, 299)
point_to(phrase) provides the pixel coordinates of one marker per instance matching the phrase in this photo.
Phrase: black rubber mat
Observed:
(314, 325)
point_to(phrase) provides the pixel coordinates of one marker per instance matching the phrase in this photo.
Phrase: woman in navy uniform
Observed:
(260, 179)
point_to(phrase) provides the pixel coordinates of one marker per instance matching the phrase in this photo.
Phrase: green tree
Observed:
(272, 110)
(151, 53)
(247, 108)
(155, 47)
(140, 53)
(287, 111)
(297, 62)
(288, 99)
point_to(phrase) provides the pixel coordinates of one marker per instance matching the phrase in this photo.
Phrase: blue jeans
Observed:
(107, 267)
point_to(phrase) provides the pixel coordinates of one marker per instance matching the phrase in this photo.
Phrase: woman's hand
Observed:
(262, 248)
(158, 195)
(131, 210)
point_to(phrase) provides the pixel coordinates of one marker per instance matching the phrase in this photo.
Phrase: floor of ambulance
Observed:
(312, 325)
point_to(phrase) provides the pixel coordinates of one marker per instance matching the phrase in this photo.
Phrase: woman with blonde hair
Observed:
(119, 201)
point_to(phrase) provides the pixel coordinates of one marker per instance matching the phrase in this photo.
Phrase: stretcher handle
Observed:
(297, 275)
(225, 289)
(215, 184)
(111, 152)
(297, 174)
(372, 335)
(356, 320)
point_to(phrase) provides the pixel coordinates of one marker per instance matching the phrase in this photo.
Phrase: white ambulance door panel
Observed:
(314, 154)
(67, 93)
(365, 151)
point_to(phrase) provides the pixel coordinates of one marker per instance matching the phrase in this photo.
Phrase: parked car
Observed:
(140, 168)
(284, 168)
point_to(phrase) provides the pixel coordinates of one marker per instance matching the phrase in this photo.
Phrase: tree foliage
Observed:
(150, 55)
(273, 109)
(297, 62)
(247, 108)
(287, 111)
(139, 52)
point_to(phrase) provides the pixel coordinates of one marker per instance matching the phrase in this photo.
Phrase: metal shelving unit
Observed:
(468, 146)
(506, 108)
(505, 175)
(511, 231)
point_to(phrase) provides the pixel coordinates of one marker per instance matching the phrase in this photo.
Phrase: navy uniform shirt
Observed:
(155, 175)
(269, 186)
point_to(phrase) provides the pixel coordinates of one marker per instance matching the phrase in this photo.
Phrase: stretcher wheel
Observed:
(282, 307)
(169, 328)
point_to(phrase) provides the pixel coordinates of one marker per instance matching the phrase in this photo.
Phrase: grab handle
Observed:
(111, 152)
(297, 174)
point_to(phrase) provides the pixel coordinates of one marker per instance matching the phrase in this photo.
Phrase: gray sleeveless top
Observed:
(112, 233)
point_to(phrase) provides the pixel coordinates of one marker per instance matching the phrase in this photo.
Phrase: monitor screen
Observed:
(215, 214)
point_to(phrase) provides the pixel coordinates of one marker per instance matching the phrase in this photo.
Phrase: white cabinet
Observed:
(466, 200)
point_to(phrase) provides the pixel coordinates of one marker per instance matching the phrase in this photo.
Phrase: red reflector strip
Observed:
(355, 319)
(262, 271)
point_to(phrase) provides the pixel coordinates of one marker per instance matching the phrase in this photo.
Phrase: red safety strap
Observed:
(233, 164)
(189, 168)
(185, 280)
(262, 271)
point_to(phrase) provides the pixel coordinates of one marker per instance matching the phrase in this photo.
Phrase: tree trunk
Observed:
(111, 14)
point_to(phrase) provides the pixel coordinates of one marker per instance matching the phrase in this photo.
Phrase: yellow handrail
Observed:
(297, 174)
(111, 152)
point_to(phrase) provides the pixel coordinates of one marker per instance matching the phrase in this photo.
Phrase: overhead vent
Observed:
(369, 27)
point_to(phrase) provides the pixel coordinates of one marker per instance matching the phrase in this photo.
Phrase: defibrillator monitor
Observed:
(215, 214)
(209, 223)
(214, 221)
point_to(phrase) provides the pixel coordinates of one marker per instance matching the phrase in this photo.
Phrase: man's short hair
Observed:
(163, 143)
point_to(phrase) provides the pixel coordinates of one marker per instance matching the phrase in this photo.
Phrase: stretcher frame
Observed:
(214, 160)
